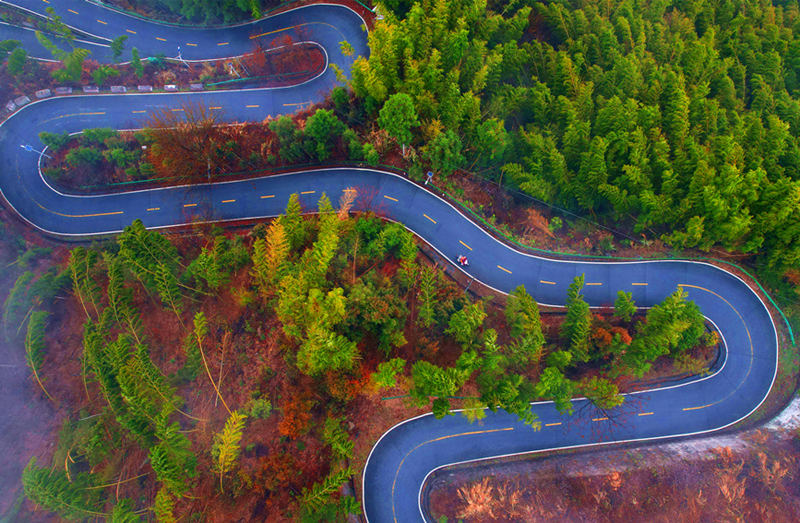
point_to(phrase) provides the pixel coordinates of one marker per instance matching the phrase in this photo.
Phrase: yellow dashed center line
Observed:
(215, 108)
(79, 215)
(268, 196)
(307, 192)
(390, 198)
(275, 31)
(72, 11)
(503, 269)
(161, 39)
(696, 408)
(428, 217)
(441, 438)
(104, 23)
(639, 284)
(552, 424)
(138, 112)
(228, 201)
(131, 32)
(154, 209)
(255, 105)
(465, 245)
(749, 338)
(223, 43)
(190, 205)
(191, 44)
(599, 419)
(176, 110)
(547, 282)
(73, 114)
(645, 414)
(593, 283)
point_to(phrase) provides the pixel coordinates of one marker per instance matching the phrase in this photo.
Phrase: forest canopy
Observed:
(678, 119)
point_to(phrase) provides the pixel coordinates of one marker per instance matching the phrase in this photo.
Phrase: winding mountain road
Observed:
(399, 463)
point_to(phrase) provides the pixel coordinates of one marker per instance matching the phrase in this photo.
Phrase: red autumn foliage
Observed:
(296, 419)
(602, 337)
(624, 335)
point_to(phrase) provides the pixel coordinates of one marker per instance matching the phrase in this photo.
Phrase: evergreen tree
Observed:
(270, 257)
(577, 324)
(16, 61)
(324, 350)
(143, 251)
(167, 286)
(337, 438)
(431, 380)
(17, 300)
(136, 63)
(164, 506)
(52, 490)
(293, 223)
(318, 259)
(323, 128)
(600, 391)
(553, 385)
(426, 296)
(525, 325)
(123, 513)
(444, 153)
(81, 265)
(624, 306)
(673, 326)
(290, 138)
(225, 450)
(464, 324)
(117, 45)
(314, 498)
(120, 308)
(34, 346)
(398, 116)
(386, 375)
(172, 458)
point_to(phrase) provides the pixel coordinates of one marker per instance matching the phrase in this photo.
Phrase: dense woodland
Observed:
(680, 119)
(345, 305)
(675, 119)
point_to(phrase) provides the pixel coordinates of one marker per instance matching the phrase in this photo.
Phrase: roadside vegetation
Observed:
(238, 367)
(273, 63)
(199, 11)
(744, 477)
(219, 368)
(192, 145)
(675, 120)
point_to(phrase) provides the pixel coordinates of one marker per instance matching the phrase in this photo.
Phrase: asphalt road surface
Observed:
(395, 472)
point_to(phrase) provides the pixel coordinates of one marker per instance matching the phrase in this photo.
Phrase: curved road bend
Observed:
(326, 24)
(404, 456)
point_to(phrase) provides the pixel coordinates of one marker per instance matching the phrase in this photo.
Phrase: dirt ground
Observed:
(748, 476)
(28, 420)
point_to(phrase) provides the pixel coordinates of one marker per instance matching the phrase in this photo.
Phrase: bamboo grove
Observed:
(358, 310)
(676, 120)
